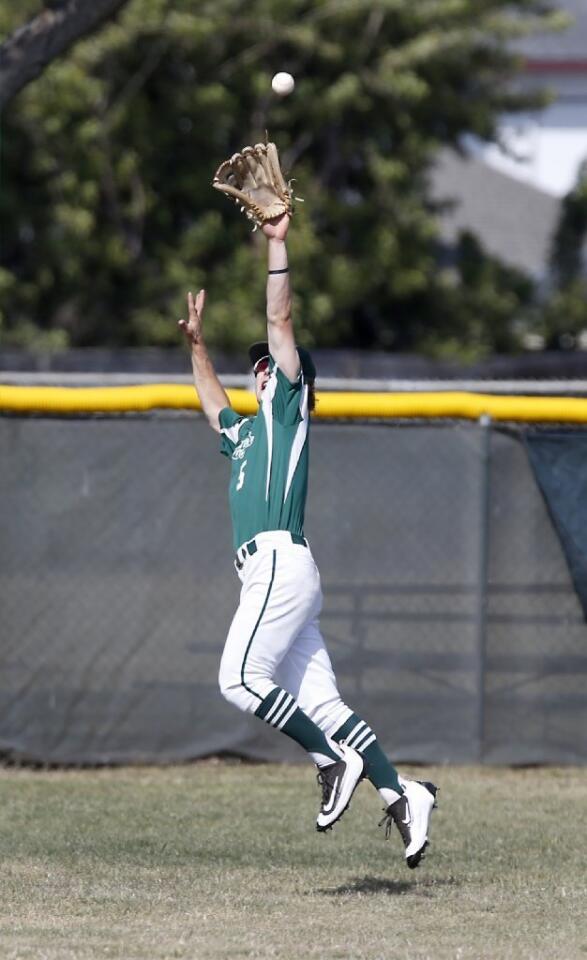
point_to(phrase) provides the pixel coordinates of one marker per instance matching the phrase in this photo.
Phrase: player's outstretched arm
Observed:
(280, 332)
(212, 394)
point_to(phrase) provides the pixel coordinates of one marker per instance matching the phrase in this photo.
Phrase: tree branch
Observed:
(26, 53)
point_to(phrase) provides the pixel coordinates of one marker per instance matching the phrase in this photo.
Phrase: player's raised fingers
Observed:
(201, 301)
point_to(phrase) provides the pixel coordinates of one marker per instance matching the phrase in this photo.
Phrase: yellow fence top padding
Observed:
(157, 396)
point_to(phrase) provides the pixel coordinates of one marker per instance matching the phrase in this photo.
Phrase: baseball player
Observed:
(275, 663)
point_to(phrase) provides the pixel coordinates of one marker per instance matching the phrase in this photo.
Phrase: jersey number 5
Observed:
(241, 476)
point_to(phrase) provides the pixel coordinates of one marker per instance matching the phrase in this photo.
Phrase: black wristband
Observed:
(283, 270)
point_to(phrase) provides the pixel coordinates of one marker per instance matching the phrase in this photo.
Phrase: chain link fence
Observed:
(449, 611)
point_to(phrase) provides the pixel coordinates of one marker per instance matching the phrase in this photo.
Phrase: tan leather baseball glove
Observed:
(254, 180)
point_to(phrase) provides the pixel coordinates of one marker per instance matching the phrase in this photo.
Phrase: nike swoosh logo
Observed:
(328, 808)
(408, 817)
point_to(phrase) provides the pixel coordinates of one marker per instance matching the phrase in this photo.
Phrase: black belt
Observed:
(250, 548)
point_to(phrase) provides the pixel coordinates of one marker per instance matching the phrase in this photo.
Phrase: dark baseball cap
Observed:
(261, 349)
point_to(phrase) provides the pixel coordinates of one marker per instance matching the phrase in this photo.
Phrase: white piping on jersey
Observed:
(301, 432)
(267, 408)
(299, 440)
(232, 432)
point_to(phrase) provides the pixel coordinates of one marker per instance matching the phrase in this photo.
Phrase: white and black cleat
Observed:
(338, 781)
(411, 815)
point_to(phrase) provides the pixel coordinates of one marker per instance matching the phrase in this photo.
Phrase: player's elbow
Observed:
(212, 413)
(214, 421)
(279, 319)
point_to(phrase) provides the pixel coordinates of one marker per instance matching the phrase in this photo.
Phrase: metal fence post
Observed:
(482, 585)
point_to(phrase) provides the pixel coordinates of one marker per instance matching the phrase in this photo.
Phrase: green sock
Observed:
(280, 710)
(379, 770)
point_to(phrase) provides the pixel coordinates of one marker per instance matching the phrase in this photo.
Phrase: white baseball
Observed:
(283, 84)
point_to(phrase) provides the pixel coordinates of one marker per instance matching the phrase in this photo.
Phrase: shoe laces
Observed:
(388, 821)
(325, 779)
(393, 817)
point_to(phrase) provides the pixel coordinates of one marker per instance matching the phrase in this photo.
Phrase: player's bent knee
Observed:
(244, 694)
(232, 689)
(228, 681)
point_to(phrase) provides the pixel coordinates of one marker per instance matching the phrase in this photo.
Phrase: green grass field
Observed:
(218, 860)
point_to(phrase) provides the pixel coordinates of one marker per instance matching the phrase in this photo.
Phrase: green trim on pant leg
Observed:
(251, 638)
(378, 769)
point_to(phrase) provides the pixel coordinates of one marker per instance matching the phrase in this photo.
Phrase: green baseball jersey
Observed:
(269, 457)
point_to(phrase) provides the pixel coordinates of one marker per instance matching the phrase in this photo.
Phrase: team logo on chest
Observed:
(243, 446)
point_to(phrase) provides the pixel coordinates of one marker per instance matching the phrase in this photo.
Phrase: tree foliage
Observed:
(27, 51)
(564, 315)
(108, 212)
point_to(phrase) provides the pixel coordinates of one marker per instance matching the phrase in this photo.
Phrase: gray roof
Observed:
(569, 44)
(513, 220)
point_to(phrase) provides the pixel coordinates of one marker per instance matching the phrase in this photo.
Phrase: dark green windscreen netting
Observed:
(449, 610)
(559, 461)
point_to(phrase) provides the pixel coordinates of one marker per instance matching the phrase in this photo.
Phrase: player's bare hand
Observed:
(192, 328)
(277, 229)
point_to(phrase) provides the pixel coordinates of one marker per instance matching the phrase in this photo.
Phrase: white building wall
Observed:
(545, 149)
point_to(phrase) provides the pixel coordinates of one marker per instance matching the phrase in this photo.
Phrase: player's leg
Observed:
(262, 629)
(279, 595)
(306, 670)
(378, 768)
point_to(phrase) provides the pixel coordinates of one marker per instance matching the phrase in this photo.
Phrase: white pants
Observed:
(275, 640)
